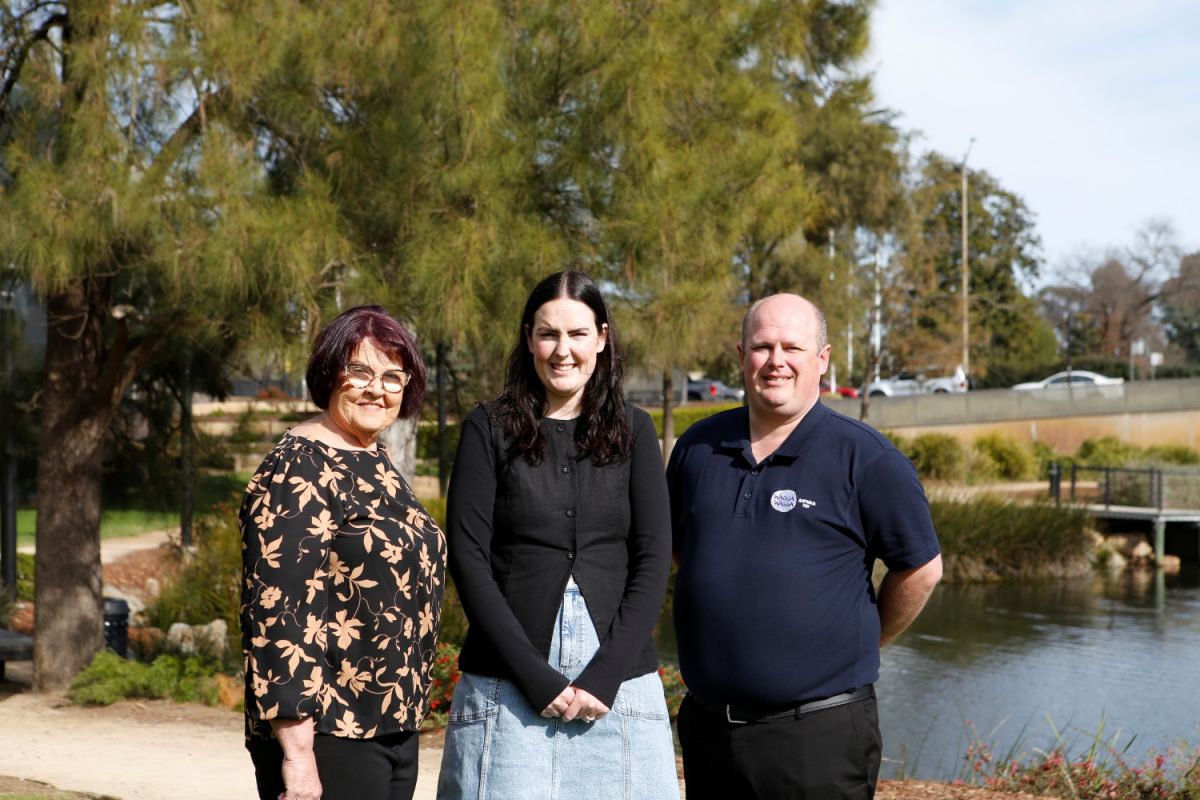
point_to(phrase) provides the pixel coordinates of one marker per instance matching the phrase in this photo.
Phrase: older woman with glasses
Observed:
(342, 580)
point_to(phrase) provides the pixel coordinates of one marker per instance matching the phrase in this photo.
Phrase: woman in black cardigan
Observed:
(559, 541)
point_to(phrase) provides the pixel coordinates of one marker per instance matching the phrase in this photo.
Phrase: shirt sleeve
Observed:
(288, 519)
(895, 513)
(469, 507)
(649, 546)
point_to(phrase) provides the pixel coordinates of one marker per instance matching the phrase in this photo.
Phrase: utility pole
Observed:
(966, 267)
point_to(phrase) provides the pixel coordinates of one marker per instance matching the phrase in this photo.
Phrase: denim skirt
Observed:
(499, 747)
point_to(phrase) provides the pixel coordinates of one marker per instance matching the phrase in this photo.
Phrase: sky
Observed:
(1088, 110)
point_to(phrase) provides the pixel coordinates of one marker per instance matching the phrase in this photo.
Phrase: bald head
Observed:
(786, 305)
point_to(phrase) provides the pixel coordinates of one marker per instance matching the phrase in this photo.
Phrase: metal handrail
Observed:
(1156, 479)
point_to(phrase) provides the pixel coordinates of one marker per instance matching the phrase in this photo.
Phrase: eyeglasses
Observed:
(361, 376)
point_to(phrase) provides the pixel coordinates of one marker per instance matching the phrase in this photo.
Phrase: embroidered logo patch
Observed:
(784, 500)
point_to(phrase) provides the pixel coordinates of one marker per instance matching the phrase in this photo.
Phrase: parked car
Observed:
(708, 389)
(1075, 381)
(842, 391)
(908, 383)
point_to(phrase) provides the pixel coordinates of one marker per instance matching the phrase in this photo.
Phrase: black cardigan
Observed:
(517, 532)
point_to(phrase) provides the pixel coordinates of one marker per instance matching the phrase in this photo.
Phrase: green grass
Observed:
(119, 522)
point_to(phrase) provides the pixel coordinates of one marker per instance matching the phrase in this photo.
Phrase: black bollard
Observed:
(116, 625)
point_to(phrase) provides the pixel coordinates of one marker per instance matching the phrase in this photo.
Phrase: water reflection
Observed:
(1118, 653)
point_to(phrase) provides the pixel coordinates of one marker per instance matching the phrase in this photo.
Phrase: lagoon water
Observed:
(1118, 655)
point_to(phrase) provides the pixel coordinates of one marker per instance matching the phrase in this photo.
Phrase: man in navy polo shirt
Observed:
(780, 509)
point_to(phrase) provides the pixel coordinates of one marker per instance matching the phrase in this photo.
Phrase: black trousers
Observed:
(383, 768)
(822, 755)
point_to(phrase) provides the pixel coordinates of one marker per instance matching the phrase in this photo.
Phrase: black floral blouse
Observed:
(342, 576)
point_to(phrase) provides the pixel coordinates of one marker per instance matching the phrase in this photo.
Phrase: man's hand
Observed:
(903, 594)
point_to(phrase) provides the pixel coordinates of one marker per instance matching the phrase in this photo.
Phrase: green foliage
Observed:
(1015, 539)
(899, 442)
(427, 440)
(1043, 456)
(454, 619)
(1107, 451)
(110, 678)
(925, 321)
(1177, 454)
(938, 456)
(689, 415)
(1009, 458)
(25, 570)
(208, 584)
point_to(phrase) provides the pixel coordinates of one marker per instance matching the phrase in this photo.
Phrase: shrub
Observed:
(1014, 539)
(689, 415)
(427, 440)
(208, 584)
(937, 455)
(1107, 451)
(1011, 460)
(443, 678)
(1043, 456)
(110, 678)
(899, 442)
(673, 687)
(1101, 771)
(25, 568)
(1177, 454)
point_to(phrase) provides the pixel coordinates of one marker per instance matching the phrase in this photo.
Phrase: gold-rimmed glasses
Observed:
(360, 376)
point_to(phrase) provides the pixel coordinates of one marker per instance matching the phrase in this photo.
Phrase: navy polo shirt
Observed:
(773, 599)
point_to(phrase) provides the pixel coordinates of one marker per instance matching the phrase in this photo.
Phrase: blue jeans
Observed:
(499, 747)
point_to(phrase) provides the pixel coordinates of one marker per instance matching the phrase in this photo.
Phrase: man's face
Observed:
(781, 358)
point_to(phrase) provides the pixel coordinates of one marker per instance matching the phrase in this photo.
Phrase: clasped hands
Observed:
(574, 703)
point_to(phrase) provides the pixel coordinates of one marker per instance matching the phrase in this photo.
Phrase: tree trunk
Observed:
(76, 409)
(400, 439)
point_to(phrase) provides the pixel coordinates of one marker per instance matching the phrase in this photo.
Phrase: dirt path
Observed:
(139, 750)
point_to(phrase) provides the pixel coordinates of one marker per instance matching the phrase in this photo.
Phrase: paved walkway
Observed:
(114, 547)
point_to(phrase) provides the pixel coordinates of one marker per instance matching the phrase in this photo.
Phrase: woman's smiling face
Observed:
(564, 342)
(362, 414)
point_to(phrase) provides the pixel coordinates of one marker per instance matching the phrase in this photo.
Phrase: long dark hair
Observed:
(602, 431)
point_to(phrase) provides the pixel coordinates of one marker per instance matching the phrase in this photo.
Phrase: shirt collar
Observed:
(737, 434)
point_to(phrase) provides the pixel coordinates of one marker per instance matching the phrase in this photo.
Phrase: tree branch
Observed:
(182, 136)
(14, 72)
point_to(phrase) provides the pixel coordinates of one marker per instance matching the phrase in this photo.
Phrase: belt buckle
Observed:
(731, 720)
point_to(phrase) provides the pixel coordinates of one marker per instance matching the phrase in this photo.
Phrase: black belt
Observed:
(739, 714)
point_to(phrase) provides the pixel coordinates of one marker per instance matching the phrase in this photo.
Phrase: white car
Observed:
(907, 384)
(1075, 380)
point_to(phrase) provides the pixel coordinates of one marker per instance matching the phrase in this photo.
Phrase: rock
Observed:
(191, 639)
(1142, 553)
(1171, 564)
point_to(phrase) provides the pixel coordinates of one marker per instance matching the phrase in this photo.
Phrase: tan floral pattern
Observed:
(341, 594)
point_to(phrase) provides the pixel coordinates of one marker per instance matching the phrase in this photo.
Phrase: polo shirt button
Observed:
(560, 428)
(746, 496)
(570, 512)
(565, 469)
(754, 471)
(570, 556)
